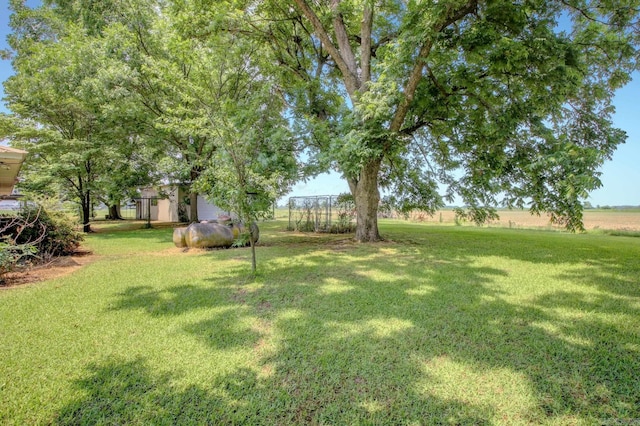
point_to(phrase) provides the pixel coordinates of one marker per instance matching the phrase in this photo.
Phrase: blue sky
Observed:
(620, 176)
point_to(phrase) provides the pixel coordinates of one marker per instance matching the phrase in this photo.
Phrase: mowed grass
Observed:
(435, 325)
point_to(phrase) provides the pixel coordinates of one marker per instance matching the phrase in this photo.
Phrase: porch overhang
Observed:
(11, 160)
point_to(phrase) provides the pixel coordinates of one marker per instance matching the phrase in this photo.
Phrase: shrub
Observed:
(12, 253)
(241, 241)
(52, 232)
(346, 212)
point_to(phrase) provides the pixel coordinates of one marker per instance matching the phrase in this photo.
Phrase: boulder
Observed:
(224, 219)
(239, 228)
(179, 237)
(211, 235)
(208, 235)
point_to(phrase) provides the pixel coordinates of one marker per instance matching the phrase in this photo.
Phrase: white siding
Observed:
(207, 211)
(166, 209)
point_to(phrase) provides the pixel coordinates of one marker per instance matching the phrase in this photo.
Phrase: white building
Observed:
(164, 204)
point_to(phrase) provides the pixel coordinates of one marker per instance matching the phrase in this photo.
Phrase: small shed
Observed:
(170, 203)
(11, 160)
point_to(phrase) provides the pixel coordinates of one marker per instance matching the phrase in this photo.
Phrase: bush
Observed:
(11, 253)
(51, 232)
(346, 212)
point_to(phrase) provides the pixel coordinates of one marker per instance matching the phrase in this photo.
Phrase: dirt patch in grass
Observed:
(58, 267)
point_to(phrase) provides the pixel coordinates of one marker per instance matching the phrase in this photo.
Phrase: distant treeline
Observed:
(588, 205)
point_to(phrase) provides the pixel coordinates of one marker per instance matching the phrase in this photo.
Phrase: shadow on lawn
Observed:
(129, 392)
(173, 300)
(401, 332)
(125, 392)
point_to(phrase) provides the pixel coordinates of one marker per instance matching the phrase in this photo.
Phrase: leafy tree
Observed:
(82, 128)
(254, 161)
(132, 166)
(160, 79)
(55, 111)
(504, 103)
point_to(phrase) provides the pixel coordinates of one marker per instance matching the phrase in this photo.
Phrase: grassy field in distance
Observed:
(628, 220)
(594, 219)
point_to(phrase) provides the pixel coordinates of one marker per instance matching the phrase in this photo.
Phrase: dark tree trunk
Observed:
(86, 212)
(252, 243)
(367, 197)
(193, 207)
(114, 212)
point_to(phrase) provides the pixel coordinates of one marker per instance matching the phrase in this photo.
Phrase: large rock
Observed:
(179, 235)
(211, 235)
(208, 235)
(239, 228)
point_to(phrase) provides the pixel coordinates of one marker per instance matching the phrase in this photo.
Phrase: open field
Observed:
(593, 219)
(436, 325)
(606, 219)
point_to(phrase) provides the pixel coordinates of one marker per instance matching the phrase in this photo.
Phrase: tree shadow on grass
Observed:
(572, 351)
(129, 392)
(173, 300)
(611, 264)
(417, 332)
(410, 349)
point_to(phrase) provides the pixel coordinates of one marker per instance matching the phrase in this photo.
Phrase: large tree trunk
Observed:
(193, 207)
(86, 212)
(114, 212)
(367, 197)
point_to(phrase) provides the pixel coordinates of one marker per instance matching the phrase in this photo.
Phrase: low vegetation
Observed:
(35, 234)
(435, 325)
(12, 253)
(54, 230)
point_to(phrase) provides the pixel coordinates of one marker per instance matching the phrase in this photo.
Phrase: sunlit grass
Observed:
(449, 325)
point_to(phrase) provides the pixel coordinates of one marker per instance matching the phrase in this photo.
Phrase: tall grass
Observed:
(448, 325)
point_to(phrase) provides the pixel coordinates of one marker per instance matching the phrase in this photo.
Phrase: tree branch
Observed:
(342, 37)
(350, 80)
(416, 74)
(411, 87)
(365, 46)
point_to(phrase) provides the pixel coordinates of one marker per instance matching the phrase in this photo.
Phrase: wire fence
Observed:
(322, 213)
(126, 211)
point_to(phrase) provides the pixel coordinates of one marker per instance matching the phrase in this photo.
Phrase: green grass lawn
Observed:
(436, 325)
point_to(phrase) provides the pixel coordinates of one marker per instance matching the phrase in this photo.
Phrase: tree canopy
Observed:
(502, 103)
(499, 103)
(113, 95)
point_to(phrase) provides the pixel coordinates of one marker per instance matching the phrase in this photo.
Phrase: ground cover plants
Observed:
(437, 324)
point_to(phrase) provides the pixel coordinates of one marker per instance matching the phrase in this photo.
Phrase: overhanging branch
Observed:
(452, 15)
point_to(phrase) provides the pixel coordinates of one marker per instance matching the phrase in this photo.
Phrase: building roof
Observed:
(11, 160)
